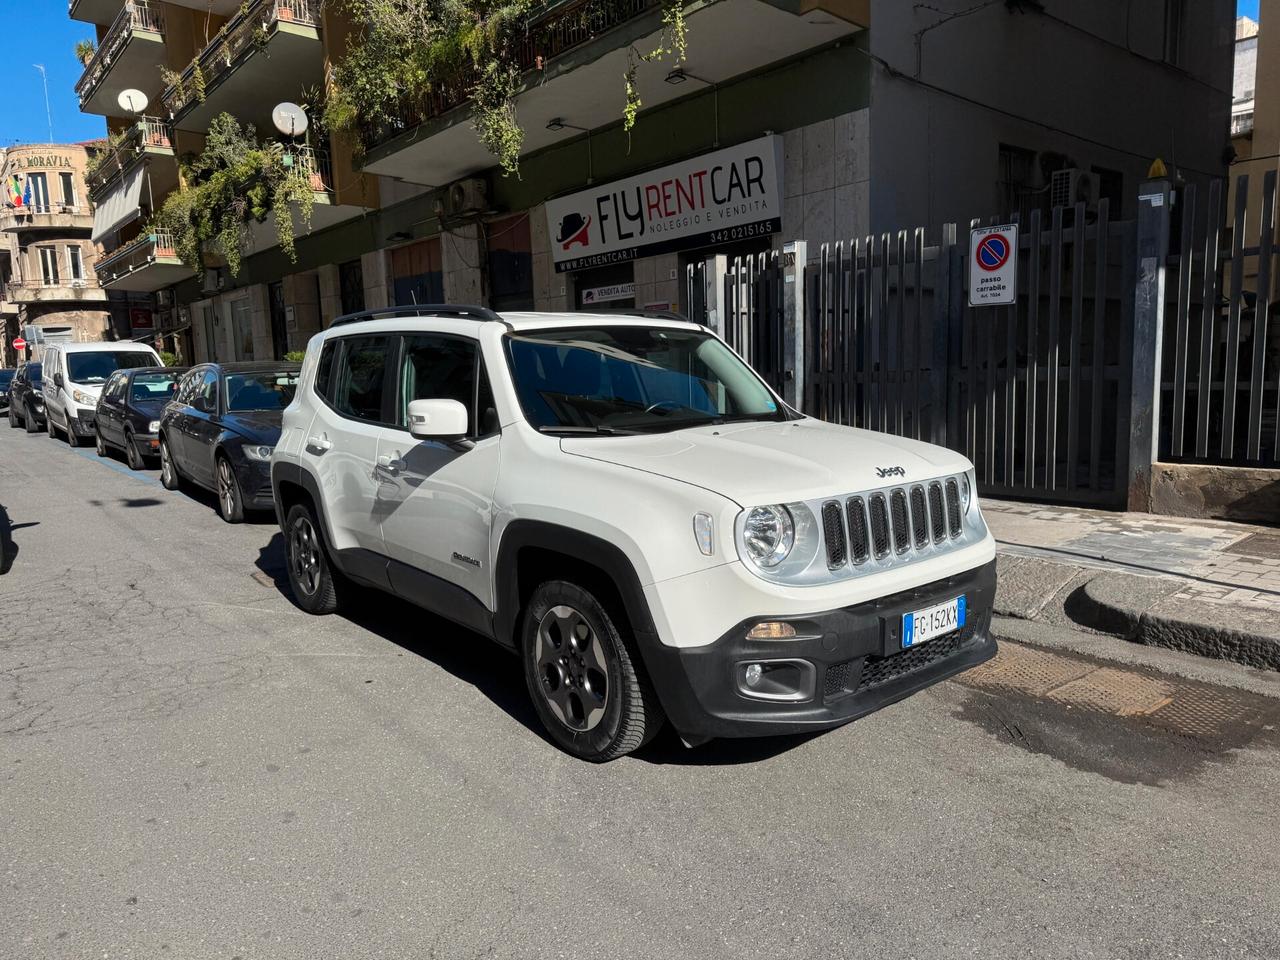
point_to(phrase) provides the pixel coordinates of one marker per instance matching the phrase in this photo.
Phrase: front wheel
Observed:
(29, 420)
(168, 470)
(131, 455)
(72, 439)
(99, 445)
(586, 681)
(13, 418)
(230, 503)
(317, 587)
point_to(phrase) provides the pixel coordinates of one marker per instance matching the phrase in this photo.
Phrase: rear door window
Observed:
(359, 383)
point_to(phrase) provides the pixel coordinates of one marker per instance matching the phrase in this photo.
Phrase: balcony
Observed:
(52, 216)
(101, 12)
(325, 211)
(54, 291)
(149, 139)
(255, 51)
(148, 264)
(574, 49)
(129, 57)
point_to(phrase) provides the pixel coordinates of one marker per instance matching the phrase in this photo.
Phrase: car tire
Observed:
(49, 427)
(227, 488)
(131, 455)
(13, 418)
(29, 420)
(72, 439)
(99, 445)
(169, 478)
(586, 680)
(317, 587)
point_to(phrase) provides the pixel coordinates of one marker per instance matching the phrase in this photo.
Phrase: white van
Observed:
(73, 377)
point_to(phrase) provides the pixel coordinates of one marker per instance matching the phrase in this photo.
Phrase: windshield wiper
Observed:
(599, 429)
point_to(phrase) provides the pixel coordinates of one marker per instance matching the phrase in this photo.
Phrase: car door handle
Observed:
(319, 444)
(392, 465)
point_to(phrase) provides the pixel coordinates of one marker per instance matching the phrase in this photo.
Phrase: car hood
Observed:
(760, 463)
(257, 426)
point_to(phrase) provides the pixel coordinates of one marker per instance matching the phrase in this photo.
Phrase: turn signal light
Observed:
(772, 630)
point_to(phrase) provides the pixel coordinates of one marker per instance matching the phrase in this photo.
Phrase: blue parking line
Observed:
(90, 454)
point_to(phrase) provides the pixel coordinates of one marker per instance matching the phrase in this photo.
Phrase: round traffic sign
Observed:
(19, 343)
(993, 252)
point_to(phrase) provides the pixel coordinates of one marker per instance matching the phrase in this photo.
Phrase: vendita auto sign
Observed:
(732, 194)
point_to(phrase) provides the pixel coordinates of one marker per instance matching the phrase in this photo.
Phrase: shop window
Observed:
(279, 321)
(605, 288)
(510, 263)
(417, 275)
(351, 286)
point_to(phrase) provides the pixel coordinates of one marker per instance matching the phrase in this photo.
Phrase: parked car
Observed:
(625, 503)
(74, 374)
(6, 379)
(26, 398)
(128, 413)
(220, 428)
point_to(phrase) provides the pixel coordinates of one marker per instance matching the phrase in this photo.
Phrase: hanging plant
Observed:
(414, 58)
(233, 182)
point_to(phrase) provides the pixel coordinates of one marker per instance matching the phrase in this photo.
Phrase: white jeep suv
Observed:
(625, 504)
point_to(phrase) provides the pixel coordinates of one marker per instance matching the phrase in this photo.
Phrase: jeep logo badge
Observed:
(890, 472)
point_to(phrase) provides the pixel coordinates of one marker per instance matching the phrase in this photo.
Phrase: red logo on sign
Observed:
(993, 252)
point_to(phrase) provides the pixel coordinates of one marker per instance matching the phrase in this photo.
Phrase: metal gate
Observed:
(1035, 394)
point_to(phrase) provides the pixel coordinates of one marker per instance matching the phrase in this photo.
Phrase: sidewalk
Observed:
(1203, 586)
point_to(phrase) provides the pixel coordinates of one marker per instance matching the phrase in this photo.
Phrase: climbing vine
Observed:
(414, 58)
(233, 182)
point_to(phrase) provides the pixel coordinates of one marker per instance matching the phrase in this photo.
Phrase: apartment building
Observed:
(810, 120)
(46, 256)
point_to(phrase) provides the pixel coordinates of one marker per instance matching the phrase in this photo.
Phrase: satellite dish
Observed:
(290, 119)
(135, 101)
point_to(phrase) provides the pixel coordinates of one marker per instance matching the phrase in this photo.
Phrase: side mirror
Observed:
(437, 419)
(58, 381)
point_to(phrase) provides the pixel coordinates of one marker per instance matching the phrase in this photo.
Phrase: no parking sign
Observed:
(993, 265)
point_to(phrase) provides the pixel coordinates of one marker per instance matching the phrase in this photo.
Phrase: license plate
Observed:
(924, 625)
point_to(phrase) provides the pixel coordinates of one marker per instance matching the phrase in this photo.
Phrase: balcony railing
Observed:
(148, 133)
(315, 163)
(236, 37)
(156, 245)
(135, 15)
(43, 216)
(558, 29)
(27, 291)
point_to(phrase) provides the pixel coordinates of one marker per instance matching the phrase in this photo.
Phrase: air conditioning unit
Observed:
(213, 280)
(466, 198)
(1071, 186)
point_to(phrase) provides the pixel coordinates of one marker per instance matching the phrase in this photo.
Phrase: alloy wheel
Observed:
(166, 464)
(572, 671)
(226, 488)
(304, 556)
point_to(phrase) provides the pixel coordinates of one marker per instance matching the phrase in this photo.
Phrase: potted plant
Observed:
(85, 49)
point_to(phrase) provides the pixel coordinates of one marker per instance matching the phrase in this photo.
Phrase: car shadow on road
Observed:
(8, 546)
(500, 677)
(252, 518)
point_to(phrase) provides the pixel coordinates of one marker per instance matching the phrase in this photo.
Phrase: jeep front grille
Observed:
(902, 523)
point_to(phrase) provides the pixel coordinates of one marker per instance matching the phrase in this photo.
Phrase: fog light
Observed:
(776, 680)
(772, 630)
(753, 674)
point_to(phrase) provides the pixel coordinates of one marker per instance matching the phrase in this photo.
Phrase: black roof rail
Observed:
(460, 311)
(637, 312)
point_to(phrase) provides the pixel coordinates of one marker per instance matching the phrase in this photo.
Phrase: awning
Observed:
(120, 206)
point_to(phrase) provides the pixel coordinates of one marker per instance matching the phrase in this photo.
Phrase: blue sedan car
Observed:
(219, 429)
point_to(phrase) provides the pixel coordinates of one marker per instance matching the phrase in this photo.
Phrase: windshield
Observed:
(95, 366)
(265, 390)
(152, 386)
(633, 379)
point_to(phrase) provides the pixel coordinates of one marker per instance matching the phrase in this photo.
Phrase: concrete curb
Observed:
(1144, 610)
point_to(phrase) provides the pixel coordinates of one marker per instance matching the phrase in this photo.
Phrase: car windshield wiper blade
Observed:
(600, 429)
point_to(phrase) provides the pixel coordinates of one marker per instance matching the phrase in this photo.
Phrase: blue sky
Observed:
(49, 37)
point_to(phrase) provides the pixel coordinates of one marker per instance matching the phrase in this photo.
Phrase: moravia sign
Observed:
(732, 194)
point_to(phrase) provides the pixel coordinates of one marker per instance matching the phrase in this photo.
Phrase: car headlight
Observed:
(153, 426)
(768, 534)
(83, 398)
(258, 452)
(966, 493)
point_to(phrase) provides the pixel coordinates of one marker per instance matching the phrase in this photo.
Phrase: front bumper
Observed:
(858, 663)
(147, 444)
(82, 422)
(255, 484)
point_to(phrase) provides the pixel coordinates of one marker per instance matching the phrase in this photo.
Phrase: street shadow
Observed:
(8, 546)
(501, 678)
(130, 502)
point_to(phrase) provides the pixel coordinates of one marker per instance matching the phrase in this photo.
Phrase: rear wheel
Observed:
(168, 470)
(230, 504)
(317, 586)
(131, 455)
(586, 681)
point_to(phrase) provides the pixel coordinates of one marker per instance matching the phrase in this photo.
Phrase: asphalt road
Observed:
(191, 768)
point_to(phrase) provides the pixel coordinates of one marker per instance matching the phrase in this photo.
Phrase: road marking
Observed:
(92, 455)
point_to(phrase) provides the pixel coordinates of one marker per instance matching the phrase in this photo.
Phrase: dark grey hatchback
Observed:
(220, 428)
(128, 413)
